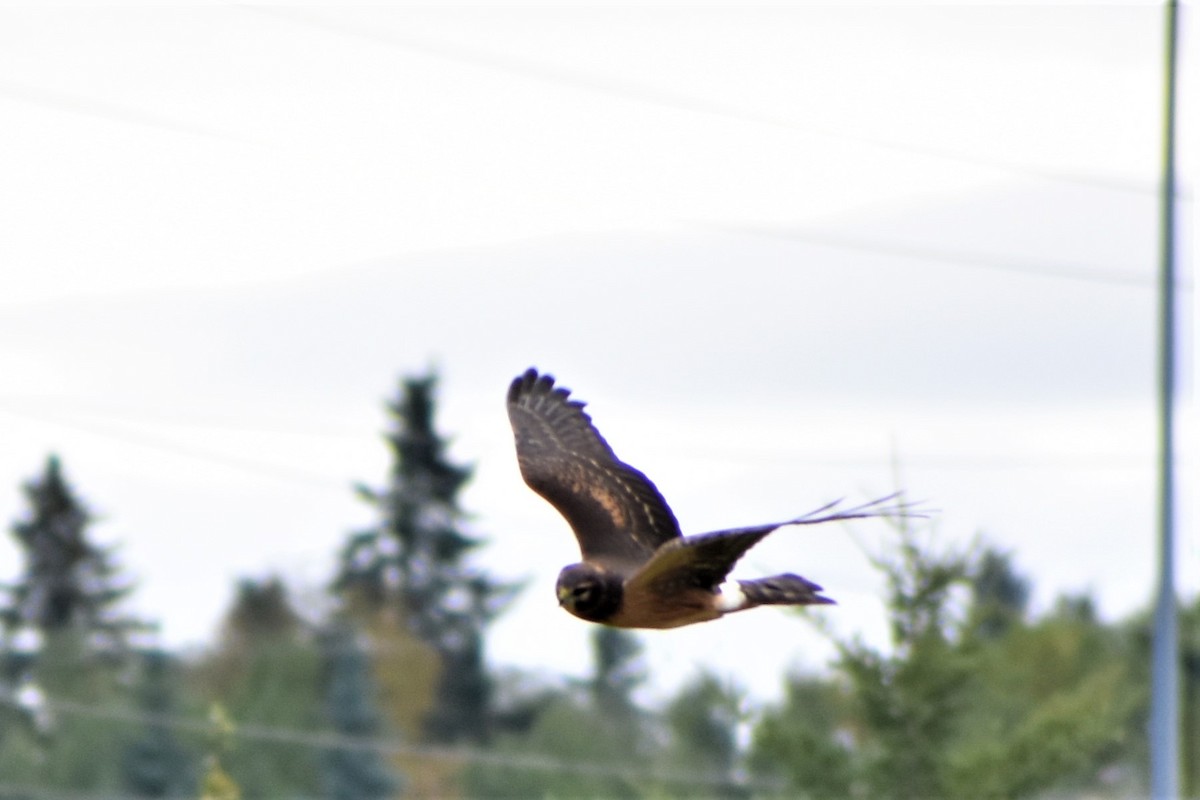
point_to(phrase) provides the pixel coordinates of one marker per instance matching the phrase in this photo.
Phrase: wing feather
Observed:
(695, 562)
(617, 514)
(705, 561)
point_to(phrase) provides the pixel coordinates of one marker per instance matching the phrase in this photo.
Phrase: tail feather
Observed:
(782, 590)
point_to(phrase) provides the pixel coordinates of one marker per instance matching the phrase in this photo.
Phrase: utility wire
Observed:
(24, 791)
(110, 112)
(121, 412)
(578, 79)
(962, 258)
(129, 436)
(332, 740)
(1101, 461)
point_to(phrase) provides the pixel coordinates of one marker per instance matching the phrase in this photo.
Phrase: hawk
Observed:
(638, 570)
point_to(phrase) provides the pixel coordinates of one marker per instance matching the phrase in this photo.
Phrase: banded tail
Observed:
(782, 590)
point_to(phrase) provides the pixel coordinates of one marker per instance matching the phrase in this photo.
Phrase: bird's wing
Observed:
(617, 514)
(695, 562)
(704, 561)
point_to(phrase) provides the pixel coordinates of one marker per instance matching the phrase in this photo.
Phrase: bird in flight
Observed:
(638, 570)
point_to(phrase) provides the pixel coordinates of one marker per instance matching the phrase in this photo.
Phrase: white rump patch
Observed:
(730, 597)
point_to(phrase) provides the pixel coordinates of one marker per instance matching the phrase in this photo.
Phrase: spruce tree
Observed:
(63, 636)
(703, 720)
(414, 561)
(966, 702)
(155, 763)
(67, 581)
(349, 773)
(1000, 596)
(618, 670)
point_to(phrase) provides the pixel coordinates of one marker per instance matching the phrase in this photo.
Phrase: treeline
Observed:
(386, 692)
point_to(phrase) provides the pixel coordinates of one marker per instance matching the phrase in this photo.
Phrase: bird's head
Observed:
(589, 592)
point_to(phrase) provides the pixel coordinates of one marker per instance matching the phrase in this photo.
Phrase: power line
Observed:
(128, 436)
(578, 79)
(110, 112)
(745, 455)
(40, 403)
(1044, 269)
(332, 740)
(24, 791)
(927, 460)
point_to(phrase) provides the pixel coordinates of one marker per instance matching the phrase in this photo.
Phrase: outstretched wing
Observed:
(695, 562)
(705, 561)
(617, 514)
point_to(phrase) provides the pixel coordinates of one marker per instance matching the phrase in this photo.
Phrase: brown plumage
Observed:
(638, 570)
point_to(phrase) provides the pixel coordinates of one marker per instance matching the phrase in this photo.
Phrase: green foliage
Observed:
(805, 740)
(1138, 632)
(601, 730)
(76, 750)
(20, 750)
(63, 646)
(571, 752)
(414, 560)
(971, 700)
(154, 762)
(66, 580)
(217, 784)
(1057, 744)
(617, 670)
(975, 696)
(266, 674)
(999, 595)
(909, 703)
(349, 773)
(702, 723)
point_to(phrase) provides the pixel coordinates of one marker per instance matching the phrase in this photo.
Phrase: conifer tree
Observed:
(414, 560)
(1000, 596)
(703, 720)
(67, 581)
(349, 773)
(971, 700)
(617, 671)
(266, 673)
(155, 763)
(63, 637)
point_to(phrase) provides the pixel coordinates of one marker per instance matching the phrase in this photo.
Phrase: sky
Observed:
(787, 253)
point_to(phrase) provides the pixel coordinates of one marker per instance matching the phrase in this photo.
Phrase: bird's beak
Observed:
(563, 594)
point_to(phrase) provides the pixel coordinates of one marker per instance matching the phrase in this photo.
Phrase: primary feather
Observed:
(617, 514)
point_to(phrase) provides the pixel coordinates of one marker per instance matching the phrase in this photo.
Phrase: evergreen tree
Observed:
(593, 726)
(805, 741)
(155, 763)
(266, 673)
(63, 641)
(703, 720)
(911, 700)
(999, 595)
(617, 671)
(957, 708)
(571, 751)
(414, 560)
(67, 581)
(351, 774)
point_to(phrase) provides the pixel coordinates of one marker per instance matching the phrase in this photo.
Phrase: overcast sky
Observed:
(787, 254)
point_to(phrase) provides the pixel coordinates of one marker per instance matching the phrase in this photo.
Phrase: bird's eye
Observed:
(581, 592)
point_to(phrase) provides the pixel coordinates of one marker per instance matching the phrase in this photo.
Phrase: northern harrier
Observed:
(638, 570)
